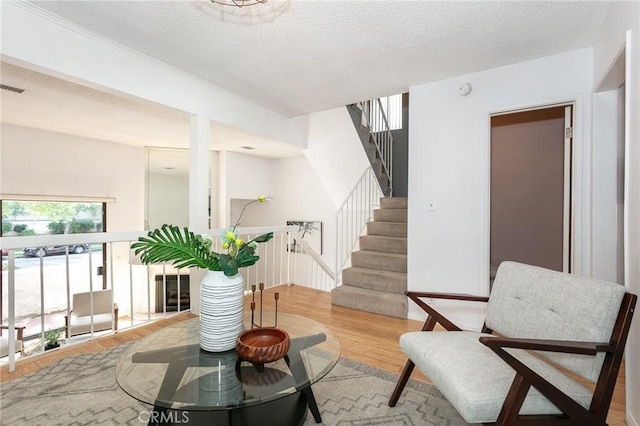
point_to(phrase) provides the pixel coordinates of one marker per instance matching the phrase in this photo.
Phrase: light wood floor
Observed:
(367, 338)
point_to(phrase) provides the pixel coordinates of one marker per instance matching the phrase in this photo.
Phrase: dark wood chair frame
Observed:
(573, 413)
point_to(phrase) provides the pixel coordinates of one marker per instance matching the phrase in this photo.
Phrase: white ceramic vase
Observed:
(222, 385)
(221, 311)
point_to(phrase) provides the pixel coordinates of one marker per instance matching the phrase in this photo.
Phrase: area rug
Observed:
(82, 390)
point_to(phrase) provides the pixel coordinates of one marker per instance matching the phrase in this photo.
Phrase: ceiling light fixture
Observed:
(238, 3)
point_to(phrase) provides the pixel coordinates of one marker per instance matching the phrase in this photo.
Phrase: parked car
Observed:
(5, 252)
(36, 251)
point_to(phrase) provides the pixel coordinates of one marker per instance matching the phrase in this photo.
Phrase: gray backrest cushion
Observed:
(531, 302)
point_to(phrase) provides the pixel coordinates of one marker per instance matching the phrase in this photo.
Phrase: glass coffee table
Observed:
(168, 370)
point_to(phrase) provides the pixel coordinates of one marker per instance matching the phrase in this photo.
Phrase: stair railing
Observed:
(375, 119)
(306, 266)
(352, 218)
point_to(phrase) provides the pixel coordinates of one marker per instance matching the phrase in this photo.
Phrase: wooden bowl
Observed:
(262, 345)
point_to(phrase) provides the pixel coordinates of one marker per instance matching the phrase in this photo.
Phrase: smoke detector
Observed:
(464, 89)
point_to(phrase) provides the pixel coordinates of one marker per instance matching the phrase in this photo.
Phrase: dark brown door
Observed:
(530, 188)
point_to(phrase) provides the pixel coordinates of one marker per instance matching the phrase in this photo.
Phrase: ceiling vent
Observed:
(11, 88)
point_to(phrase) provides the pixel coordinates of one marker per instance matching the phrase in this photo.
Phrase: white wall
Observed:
(608, 189)
(246, 177)
(622, 30)
(168, 198)
(45, 163)
(334, 150)
(448, 162)
(303, 196)
(297, 190)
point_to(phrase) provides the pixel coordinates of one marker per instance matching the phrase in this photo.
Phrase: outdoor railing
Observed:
(55, 279)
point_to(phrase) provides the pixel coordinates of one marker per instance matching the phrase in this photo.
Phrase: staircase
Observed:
(377, 279)
(377, 145)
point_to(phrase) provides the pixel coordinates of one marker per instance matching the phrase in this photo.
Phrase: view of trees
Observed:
(63, 217)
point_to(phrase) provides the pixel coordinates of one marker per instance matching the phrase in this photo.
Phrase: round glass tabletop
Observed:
(168, 369)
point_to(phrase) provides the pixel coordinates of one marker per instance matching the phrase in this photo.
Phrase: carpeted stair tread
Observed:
(387, 229)
(373, 279)
(377, 260)
(390, 215)
(383, 244)
(378, 302)
(394, 203)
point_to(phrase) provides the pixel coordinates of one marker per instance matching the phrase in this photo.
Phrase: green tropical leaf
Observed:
(184, 249)
(247, 260)
(262, 238)
(228, 265)
(180, 247)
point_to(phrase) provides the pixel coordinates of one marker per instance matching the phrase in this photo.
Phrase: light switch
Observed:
(431, 205)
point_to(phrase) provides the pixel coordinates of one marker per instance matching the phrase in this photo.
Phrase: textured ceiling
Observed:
(292, 56)
(297, 56)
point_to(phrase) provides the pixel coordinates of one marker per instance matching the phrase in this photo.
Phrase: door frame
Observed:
(575, 218)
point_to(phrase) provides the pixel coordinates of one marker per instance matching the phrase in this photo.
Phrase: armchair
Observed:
(540, 324)
(4, 340)
(105, 314)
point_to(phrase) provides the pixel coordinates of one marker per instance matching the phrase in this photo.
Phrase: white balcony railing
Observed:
(40, 287)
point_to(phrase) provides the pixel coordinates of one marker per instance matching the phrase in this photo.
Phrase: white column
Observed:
(223, 202)
(199, 174)
(198, 194)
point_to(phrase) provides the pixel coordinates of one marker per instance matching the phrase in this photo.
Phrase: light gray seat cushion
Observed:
(82, 325)
(4, 345)
(475, 380)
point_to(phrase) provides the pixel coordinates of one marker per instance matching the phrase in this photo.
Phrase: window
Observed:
(46, 273)
(392, 108)
(24, 218)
